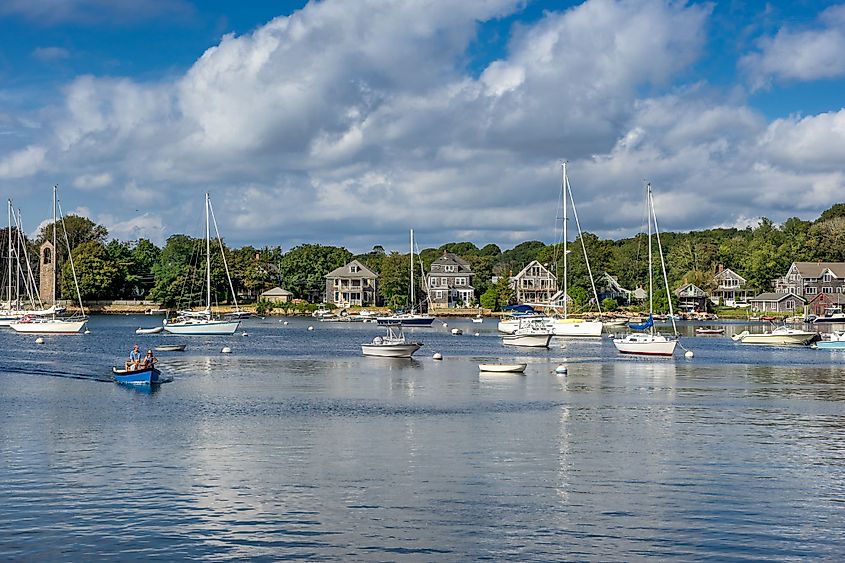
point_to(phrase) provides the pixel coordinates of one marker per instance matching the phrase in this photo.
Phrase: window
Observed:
(460, 281)
(354, 268)
(449, 268)
(790, 305)
(827, 277)
(444, 282)
(827, 289)
(808, 290)
(438, 294)
(432, 282)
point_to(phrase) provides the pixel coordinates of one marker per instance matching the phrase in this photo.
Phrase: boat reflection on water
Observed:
(150, 389)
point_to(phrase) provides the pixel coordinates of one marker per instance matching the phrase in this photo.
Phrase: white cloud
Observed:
(347, 120)
(800, 54)
(23, 163)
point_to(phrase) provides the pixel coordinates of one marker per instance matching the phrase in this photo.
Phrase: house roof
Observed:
(639, 293)
(611, 282)
(776, 297)
(816, 269)
(276, 292)
(690, 290)
(727, 273)
(453, 260)
(531, 264)
(346, 272)
(832, 298)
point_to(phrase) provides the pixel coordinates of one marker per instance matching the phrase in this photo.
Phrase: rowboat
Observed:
(703, 330)
(154, 330)
(143, 376)
(502, 368)
(170, 348)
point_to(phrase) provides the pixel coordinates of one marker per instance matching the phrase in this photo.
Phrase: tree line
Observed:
(174, 274)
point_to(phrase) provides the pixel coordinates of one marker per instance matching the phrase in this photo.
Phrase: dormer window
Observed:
(827, 277)
(354, 268)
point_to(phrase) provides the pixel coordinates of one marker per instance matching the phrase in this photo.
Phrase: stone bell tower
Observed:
(46, 270)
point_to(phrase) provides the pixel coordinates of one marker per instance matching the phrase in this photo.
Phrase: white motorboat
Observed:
(392, 345)
(478, 319)
(532, 333)
(40, 324)
(650, 343)
(646, 344)
(508, 325)
(502, 368)
(781, 336)
(831, 315)
(832, 341)
(203, 323)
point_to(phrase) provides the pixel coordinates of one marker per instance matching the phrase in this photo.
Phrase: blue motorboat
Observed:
(143, 376)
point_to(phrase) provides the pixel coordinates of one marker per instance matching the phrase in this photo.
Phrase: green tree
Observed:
(98, 276)
(609, 305)
(490, 299)
(395, 280)
(304, 268)
(79, 230)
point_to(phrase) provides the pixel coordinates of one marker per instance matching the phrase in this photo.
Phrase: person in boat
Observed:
(134, 359)
(149, 360)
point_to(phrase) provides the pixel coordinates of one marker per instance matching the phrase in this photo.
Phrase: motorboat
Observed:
(781, 336)
(502, 368)
(832, 341)
(142, 376)
(478, 319)
(531, 333)
(392, 345)
(831, 315)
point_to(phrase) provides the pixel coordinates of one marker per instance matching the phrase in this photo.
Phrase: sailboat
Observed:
(411, 318)
(564, 325)
(190, 323)
(31, 324)
(13, 309)
(650, 343)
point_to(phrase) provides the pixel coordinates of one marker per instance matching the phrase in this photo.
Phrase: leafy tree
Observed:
(98, 275)
(490, 299)
(395, 280)
(835, 211)
(609, 305)
(304, 268)
(79, 230)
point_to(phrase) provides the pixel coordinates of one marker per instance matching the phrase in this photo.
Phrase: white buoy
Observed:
(457, 331)
(688, 354)
(87, 331)
(244, 333)
(477, 334)
(561, 369)
(284, 323)
(39, 340)
(226, 350)
(445, 325)
(437, 356)
(310, 328)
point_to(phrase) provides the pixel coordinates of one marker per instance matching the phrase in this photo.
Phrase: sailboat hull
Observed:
(406, 320)
(646, 345)
(576, 327)
(48, 327)
(527, 340)
(202, 327)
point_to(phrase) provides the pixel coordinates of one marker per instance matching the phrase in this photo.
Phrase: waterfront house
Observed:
(811, 278)
(731, 288)
(691, 298)
(608, 287)
(534, 284)
(822, 301)
(450, 282)
(353, 284)
(277, 295)
(777, 302)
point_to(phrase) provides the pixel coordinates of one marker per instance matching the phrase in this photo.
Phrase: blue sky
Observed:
(352, 121)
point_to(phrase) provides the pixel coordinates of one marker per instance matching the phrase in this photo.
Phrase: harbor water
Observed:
(296, 446)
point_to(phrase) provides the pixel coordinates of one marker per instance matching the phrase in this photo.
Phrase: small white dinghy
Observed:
(502, 368)
(154, 330)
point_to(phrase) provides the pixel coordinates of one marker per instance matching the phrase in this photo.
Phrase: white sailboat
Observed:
(35, 324)
(412, 317)
(204, 323)
(650, 343)
(564, 325)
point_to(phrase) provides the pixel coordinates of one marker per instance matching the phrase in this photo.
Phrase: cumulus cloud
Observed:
(348, 120)
(800, 54)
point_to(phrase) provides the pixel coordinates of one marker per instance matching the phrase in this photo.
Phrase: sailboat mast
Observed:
(207, 257)
(413, 300)
(55, 254)
(565, 235)
(9, 236)
(650, 273)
